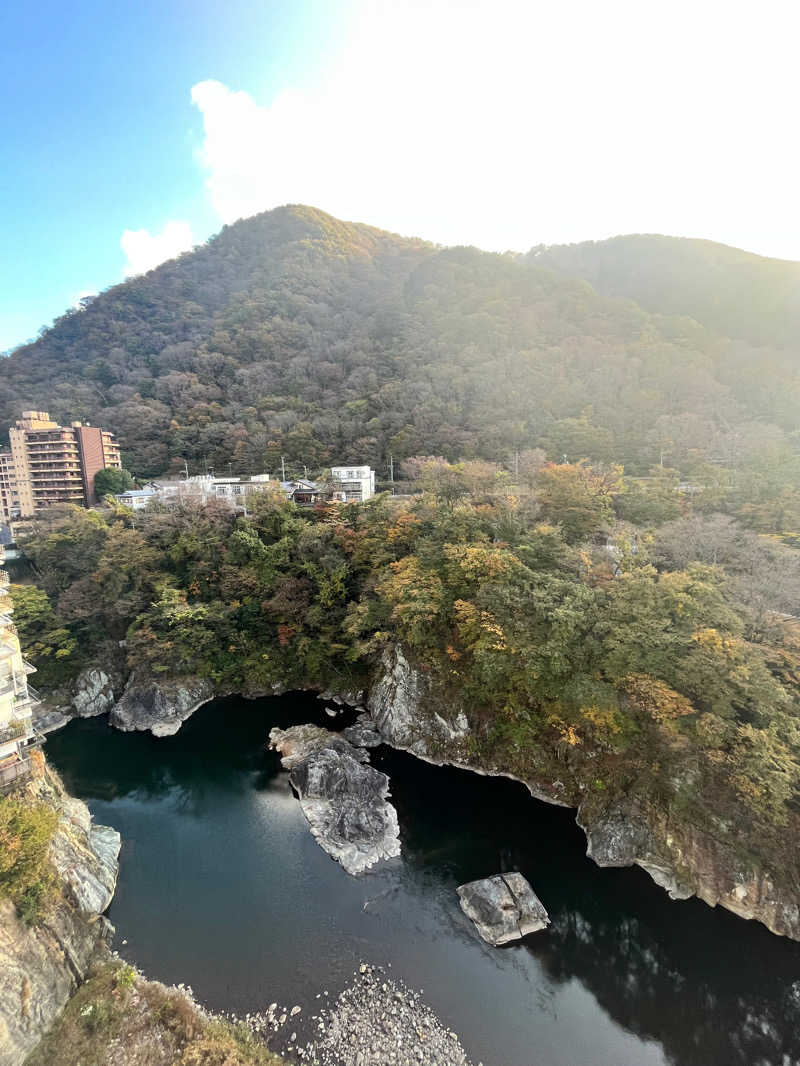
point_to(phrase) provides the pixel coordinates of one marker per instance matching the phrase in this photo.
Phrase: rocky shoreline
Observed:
(406, 709)
(375, 1021)
(42, 965)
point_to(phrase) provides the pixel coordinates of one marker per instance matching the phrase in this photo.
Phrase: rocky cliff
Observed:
(413, 712)
(42, 965)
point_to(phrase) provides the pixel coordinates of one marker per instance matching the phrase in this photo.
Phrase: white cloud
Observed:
(144, 250)
(510, 122)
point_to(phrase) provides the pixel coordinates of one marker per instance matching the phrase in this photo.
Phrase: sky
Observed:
(132, 131)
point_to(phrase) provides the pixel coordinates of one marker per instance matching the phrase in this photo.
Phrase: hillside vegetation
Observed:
(295, 334)
(657, 667)
(735, 293)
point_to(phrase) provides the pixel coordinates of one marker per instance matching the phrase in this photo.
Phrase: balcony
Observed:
(17, 773)
(24, 702)
(14, 730)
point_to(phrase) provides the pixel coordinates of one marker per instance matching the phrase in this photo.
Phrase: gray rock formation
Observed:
(689, 861)
(363, 734)
(42, 965)
(401, 707)
(503, 908)
(160, 706)
(93, 693)
(343, 798)
(686, 859)
(86, 857)
(47, 720)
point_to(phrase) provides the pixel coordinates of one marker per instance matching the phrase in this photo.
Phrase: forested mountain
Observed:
(733, 292)
(293, 333)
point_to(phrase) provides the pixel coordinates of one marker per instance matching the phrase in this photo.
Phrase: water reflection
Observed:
(214, 839)
(710, 987)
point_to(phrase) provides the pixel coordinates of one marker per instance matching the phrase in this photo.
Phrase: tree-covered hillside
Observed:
(733, 292)
(659, 670)
(295, 334)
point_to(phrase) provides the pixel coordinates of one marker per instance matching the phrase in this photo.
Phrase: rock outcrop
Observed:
(343, 798)
(503, 908)
(363, 734)
(688, 860)
(160, 706)
(42, 965)
(93, 693)
(685, 858)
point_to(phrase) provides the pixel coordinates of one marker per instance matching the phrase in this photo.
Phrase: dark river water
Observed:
(222, 887)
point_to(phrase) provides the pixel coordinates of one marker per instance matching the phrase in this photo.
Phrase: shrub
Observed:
(26, 877)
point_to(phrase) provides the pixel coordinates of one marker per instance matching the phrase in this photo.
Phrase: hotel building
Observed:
(50, 464)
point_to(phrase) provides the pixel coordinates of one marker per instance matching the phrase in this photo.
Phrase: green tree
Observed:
(110, 481)
(44, 638)
(577, 498)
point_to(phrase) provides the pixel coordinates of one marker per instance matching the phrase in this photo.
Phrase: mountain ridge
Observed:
(293, 333)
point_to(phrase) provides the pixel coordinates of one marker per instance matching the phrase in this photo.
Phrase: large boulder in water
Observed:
(343, 798)
(160, 706)
(503, 908)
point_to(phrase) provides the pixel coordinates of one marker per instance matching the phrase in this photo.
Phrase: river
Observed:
(222, 887)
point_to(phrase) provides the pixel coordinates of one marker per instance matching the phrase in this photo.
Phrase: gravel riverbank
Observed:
(375, 1021)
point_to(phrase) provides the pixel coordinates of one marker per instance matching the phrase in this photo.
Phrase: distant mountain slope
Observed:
(732, 292)
(295, 334)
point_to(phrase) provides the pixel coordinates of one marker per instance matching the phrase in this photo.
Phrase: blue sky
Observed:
(131, 130)
(99, 133)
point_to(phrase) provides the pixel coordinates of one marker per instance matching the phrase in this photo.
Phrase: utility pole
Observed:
(305, 471)
(391, 468)
(283, 469)
(185, 469)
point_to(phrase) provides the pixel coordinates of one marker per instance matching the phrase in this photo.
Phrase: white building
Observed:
(200, 490)
(353, 482)
(136, 499)
(17, 700)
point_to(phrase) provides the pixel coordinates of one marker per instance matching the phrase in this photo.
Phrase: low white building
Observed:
(201, 489)
(353, 482)
(136, 499)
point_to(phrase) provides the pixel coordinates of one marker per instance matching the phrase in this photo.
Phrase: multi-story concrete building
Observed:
(18, 739)
(50, 464)
(353, 482)
(9, 494)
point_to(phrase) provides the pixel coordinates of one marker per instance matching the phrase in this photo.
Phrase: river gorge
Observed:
(223, 887)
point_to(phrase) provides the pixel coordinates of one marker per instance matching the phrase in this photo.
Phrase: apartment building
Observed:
(18, 739)
(50, 464)
(353, 482)
(9, 494)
